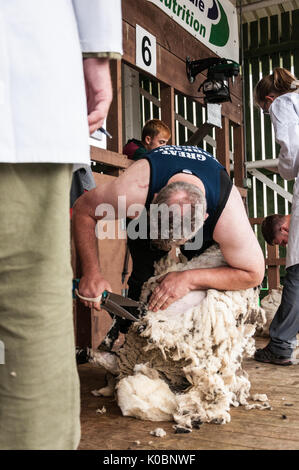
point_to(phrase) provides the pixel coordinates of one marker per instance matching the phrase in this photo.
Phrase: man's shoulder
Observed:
(134, 182)
(233, 217)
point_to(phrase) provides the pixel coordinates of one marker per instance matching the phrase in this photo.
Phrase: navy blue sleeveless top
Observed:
(165, 162)
(168, 160)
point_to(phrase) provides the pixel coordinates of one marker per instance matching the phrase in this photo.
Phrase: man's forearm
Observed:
(92, 282)
(223, 278)
(86, 242)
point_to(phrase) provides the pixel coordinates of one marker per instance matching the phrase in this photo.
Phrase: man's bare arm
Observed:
(84, 221)
(239, 245)
(240, 249)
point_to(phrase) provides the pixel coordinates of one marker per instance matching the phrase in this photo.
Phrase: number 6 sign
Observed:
(146, 50)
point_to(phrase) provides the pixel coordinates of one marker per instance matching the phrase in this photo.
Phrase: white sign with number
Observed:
(146, 51)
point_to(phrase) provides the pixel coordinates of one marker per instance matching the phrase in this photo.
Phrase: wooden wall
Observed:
(174, 44)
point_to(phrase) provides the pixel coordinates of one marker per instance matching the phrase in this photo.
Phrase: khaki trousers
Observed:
(39, 387)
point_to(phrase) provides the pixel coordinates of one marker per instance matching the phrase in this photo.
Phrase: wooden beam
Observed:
(270, 49)
(114, 119)
(222, 139)
(275, 261)
(258, 5)
(101, 178)
(273, 271)
(239, 167)
(109, 158)
(256, 220)
(200, 134)
(167, 109)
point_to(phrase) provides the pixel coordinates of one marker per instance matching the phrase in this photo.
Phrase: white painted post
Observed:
(132, 118)
(2, 352)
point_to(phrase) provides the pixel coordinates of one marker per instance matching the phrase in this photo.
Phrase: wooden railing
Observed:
(272, 261)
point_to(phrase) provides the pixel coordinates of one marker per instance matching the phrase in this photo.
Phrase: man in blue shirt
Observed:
(184, 176)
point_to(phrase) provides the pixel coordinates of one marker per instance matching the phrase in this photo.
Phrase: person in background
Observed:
(275, 229)
(50, 101)
(278, 95)
(154, 134)
(82, 181)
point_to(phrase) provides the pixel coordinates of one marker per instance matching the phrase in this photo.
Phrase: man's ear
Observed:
(284, 228)
(147, 139)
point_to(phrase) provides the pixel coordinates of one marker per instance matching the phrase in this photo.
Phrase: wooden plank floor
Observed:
(276, 429)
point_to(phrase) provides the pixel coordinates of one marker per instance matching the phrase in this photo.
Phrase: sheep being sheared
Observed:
(185, 363)
(270, 304)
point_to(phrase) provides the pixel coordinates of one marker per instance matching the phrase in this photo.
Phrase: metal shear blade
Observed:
(113, 304)
(120, 299)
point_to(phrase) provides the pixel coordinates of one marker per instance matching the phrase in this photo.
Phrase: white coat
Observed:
(43, 116)
(284, 113)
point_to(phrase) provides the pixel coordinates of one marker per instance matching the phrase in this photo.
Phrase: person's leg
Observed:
(285, 324)
(39, 387)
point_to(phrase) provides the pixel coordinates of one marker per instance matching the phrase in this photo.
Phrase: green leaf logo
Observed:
(219, 32)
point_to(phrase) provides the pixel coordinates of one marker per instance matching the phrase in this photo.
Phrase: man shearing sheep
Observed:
(182, 176)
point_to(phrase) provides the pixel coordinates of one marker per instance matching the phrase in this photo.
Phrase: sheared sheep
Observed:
(270, 304)
(185, 363)
(269, 307)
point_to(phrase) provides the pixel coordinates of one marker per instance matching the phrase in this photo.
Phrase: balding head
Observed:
(177, 214)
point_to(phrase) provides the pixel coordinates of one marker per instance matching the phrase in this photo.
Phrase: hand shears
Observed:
(113, 303)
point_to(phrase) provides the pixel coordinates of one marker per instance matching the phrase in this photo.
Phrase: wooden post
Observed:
(273, 271)
(114, 119)
(167, 110)
(239, 169)
(200, 134)
(222, 139)
(131, 104)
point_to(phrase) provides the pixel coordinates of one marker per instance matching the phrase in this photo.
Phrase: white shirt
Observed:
(43, 115)
(284, 113)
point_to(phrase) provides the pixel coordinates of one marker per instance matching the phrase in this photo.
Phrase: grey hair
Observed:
(179, 226)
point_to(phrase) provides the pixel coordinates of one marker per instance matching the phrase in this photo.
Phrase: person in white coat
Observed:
(50, 101)
(278, 94)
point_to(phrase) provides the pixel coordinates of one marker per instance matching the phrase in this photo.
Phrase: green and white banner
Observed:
(212, 22)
